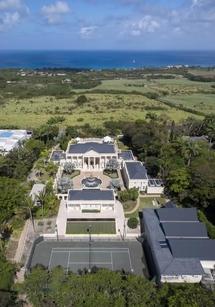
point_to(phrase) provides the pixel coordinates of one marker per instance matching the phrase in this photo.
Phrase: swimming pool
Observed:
(6, 134)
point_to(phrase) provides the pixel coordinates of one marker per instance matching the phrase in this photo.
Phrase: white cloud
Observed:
(10, 4)
(145, 24)
(53, 13)
(11, 13)
(87, 32)
(8, 20)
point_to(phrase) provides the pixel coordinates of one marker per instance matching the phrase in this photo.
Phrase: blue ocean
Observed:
(104, 59)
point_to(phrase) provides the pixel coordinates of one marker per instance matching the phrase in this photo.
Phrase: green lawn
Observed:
(97, 227)
(75, 173)
(112, 175)
(146, 202)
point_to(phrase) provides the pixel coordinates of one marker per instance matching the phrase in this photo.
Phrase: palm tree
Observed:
(41, 198)
(28, 206)
(189, 150)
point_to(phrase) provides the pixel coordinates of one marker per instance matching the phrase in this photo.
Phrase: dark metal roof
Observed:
(167, 263)
(184, 230)
(177, 214)
(170, 204)
(191, 266)
(193, 248)
(82, 148)
(136, 170)
(88, 194)
(126, 155)
(57, 155)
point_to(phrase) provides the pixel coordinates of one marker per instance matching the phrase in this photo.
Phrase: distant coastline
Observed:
(104, 59)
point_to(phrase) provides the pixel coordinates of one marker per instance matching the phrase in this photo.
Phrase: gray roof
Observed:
(162, 256)
(101, 148)
(184, 230)
(57, 155)
(167, 263)
(191, 266)
(136, 170)
(170, 204)
(88, 195)
(202, 249)
(126, 155)
(177, 214)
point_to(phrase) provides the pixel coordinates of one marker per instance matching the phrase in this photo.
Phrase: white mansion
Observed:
(91, 154)
(91, 197)
(94, 154)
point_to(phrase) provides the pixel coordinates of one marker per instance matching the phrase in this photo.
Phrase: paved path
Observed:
(135, 208)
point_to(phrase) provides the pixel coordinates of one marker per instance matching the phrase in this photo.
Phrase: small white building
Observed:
(10, 139)
(90, 205)
(155, 186)
(88, 200)
(135, 175)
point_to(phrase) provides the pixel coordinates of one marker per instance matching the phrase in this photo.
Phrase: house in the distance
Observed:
(11, 139)
(178, 246)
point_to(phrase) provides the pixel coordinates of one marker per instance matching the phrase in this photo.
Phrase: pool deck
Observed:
(78, 179)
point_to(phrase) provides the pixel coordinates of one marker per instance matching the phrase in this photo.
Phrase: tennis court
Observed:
(74, 256)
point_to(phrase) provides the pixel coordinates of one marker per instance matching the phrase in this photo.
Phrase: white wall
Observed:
(155, 190)
(139, 184)
(181, 278)
(208, 264)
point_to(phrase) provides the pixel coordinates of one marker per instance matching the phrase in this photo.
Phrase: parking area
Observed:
(75, 256)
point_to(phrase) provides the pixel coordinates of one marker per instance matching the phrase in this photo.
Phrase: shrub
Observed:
(55, 120)
(81, 99)
(131, 194)
(210, 227)
(132, 222)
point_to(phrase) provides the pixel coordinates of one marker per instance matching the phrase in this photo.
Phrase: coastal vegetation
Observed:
(29, 99)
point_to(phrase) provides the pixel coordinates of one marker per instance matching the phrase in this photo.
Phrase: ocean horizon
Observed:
(103, 59)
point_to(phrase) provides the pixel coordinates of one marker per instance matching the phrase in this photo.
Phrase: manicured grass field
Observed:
(97, 227)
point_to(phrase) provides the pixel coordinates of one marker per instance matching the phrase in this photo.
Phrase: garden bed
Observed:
(111, 174)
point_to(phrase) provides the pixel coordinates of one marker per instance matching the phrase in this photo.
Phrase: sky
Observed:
(107, 24)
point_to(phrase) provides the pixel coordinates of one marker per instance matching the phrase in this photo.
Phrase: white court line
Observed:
(109, 263)
(111, 256)
(50, 259)
(94, 248)
(129, 256)
(79, 251)
(68, 259)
